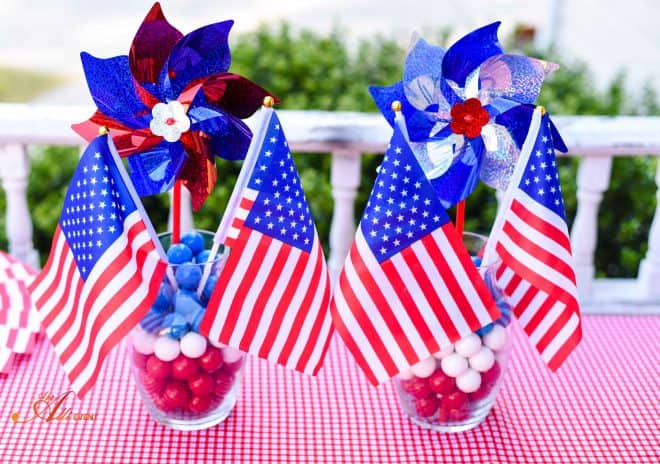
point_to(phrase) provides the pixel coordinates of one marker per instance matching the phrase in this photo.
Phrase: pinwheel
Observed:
(467, 110)
(171, 106)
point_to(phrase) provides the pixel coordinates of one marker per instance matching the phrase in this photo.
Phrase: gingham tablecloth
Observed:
(601, 407)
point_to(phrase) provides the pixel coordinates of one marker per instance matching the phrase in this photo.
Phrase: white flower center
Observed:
(169, 120)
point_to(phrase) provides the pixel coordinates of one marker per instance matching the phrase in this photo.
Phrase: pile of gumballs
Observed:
(461, 380)
(181, 371)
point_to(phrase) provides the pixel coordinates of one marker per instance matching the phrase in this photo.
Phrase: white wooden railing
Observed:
(347, 136)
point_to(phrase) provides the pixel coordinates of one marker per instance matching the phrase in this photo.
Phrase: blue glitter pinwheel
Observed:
(171, 106)
(467, 110)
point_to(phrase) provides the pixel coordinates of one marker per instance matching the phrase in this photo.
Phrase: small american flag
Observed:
(19, 322)
(273, 294)
(104, 269)
(408, 286)
(531, 237)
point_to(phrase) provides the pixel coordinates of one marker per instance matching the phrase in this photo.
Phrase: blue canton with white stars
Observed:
(96, 204)
(280, 209)
(540, 179)
(403, 207)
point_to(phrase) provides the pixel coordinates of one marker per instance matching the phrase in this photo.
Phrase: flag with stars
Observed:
(104, 268)
(408, 286)
(530, 236)
(273, 294)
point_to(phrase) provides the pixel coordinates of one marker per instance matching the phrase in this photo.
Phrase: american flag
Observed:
(104, 268)
(19, 322)
(531, 237)
(408, 286)
(273, 294)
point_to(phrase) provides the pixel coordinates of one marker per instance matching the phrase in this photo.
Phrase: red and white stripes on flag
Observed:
(19, 323)
(531, 238)
(424, 297)
(272, 297)
(85, 319)
(104, 268)
(408, 286)
(261, 280)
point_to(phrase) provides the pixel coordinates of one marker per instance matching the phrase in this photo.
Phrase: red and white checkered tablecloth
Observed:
(602, 407)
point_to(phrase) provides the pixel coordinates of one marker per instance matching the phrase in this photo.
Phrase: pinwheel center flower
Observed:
(468, 118)
(169, 120)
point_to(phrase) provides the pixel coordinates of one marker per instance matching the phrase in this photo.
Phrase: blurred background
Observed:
(323, 55)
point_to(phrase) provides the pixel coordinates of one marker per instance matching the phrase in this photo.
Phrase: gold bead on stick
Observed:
(541, 109)
(269, 101)
(103, 130)
(396, 106)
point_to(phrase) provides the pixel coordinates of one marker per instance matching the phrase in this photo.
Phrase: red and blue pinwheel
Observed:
(171, 106)
(467, 110)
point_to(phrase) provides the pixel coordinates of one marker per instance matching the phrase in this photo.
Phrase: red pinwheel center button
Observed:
(170, 121)
(468, 118)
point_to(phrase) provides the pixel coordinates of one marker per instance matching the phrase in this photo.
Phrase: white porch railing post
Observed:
(14, 173)
(345, 180)
(649, 269)
(593, 178)
(187, 222)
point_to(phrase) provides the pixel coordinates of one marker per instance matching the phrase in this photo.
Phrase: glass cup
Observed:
(186, 381)
(455, 389)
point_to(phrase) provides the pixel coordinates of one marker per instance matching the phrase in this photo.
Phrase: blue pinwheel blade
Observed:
(154, 171)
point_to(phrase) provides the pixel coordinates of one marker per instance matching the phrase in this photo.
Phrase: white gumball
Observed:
(496, 338)
(443, 353)
(469, 381)
(143, 341)
(193, 345)
(424, 368)
(468, 346)
(231, 355)
(483, 360)
(405, 374)
(454, 365)
(166, 348)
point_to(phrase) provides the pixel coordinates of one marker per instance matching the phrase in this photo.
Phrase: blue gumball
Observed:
(193, 240)
(153, 321)
(164, 298)
(188, 275)
(197, 320)
(203, 256)
(186, 303)
(476, 260)
(179, 254)
(210, 285)
(176, 325)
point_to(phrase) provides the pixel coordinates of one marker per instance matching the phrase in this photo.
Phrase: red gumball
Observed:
(426, 407)
(482, 392)
(211, 360)
(201, 384)
(184, 368)
(200, 404)
(158, 369)
(152, 385)
(455, 400)
(457, 415)
(492, 374)
(441, 383)
(176, 394)
(140, 360)
(163, 404)
(416, 387)
(223, 383)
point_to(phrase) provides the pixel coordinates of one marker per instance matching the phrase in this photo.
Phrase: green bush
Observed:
(308, 70)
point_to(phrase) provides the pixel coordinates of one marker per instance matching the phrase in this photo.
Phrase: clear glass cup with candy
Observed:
(455, 389)
(186, 381)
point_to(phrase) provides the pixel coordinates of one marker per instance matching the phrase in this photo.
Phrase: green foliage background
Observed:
(312, 71)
